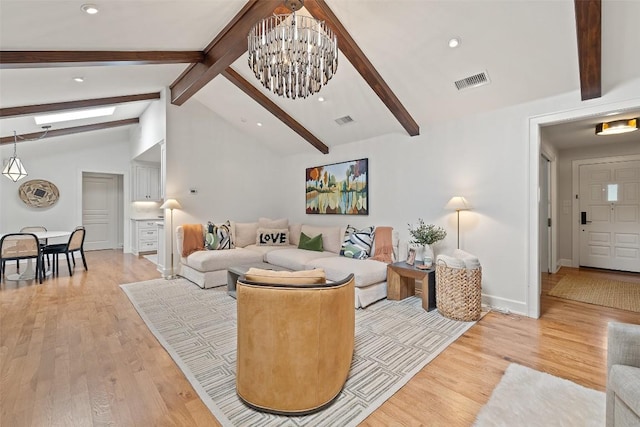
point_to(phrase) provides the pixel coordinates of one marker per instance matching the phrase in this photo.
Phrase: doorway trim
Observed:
(126, 186)
(533, 248)
(575, 189)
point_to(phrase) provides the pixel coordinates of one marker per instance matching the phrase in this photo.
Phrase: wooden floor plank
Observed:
(73, 351)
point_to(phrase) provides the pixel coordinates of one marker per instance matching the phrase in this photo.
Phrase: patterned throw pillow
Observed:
(357, 243)
(272, 237)
(218, 236)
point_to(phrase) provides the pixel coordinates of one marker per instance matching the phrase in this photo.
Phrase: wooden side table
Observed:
(401, 283)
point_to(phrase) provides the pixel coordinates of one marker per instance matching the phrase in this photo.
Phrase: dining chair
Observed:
(43, 242)
(75, 244)
(19, 246)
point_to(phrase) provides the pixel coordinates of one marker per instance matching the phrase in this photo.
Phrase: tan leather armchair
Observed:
(295, 341)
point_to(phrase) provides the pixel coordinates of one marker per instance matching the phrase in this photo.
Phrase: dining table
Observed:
(30, 273)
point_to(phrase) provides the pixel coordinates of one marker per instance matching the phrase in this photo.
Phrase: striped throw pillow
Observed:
(218, 236)
(357, 243)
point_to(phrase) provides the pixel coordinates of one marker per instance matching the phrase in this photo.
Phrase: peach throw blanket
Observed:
(384, 245)
(193, 239)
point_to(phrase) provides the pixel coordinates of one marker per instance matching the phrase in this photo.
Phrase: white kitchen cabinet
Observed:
(146, 182)
(145, 236)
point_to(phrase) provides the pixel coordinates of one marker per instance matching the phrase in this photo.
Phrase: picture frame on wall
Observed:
(338, 188)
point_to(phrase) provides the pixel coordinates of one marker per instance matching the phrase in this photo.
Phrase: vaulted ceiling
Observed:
(396, 73)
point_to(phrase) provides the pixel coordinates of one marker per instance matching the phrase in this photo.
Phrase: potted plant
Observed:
(426, 235)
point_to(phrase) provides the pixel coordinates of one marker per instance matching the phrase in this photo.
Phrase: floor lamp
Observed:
(171, 204)
(458, 203)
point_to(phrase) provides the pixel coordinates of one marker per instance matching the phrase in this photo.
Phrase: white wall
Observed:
(485, 157)
(153, 128)
(62, 160)
(566, 157)
(236, 178)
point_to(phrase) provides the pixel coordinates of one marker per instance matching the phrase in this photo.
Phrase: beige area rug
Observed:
(394, 340)
(606, 292)
(529, 398)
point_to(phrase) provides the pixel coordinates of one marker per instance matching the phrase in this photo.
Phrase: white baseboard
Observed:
(564, 262)
(504, 305)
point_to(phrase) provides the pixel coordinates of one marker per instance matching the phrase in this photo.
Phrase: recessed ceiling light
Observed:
(259, 124)
(74, 115)
(320, 99)
(90, 9)
(454, 42)
(78, 79)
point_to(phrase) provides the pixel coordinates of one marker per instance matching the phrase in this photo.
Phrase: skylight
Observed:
(74, 115)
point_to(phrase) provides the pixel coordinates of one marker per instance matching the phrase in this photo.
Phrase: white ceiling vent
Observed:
(480, 79)
(344, 120)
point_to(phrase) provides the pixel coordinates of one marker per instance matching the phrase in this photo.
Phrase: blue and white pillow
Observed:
(357, 243)
(218, 236)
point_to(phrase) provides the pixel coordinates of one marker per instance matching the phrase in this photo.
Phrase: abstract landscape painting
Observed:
(338, 188)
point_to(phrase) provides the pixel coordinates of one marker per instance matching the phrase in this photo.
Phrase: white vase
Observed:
(427, 255)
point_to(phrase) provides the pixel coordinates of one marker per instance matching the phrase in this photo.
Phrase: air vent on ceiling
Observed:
(473, 81)
(344, 120)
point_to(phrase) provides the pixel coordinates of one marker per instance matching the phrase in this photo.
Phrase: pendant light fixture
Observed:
(618, 126)
(293, 56)
(14, 170)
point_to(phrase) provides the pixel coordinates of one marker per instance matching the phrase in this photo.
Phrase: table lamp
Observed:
(171, 204)
(458, 203)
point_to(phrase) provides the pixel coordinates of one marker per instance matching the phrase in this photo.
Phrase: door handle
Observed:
(583, 218)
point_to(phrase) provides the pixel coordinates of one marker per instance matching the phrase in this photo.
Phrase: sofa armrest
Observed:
(623, 344)
(179, 239)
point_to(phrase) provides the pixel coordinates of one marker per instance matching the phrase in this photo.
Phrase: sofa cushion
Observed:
(366, 271)
(302, 277)
(295, 259)
(221, 260)
(310, 243)
(272, 237)
(244, 233)
(331, 236)
(218, 236)
(273, 223)
(357, 243)
(263, 250)
(294, 233)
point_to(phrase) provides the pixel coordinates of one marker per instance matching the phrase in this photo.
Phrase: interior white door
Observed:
(609, 200)
(99, 211)
(544, 216)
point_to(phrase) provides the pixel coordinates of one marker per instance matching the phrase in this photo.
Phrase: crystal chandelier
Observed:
(292, 56)
(14, 169)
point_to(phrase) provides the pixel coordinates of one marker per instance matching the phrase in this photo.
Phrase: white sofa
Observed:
(208, 268)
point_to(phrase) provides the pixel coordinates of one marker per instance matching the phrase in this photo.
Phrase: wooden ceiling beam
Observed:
(228, 46)
(70, 131)
(321, 11)
(261, 99)
(70, 105)
(589, 32)
(10, 59)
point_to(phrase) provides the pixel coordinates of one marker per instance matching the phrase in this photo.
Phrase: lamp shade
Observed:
(171, 204)
(458, 203)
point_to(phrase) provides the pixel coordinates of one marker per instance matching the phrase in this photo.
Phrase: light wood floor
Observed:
(74, 352)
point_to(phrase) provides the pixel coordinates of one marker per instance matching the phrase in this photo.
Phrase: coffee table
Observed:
(238, 270)
(401, 283)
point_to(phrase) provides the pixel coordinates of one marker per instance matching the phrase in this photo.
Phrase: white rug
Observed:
(526, 397)
(393, 341)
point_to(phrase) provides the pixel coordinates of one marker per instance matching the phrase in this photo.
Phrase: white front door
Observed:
(100, 210)
(609, 201)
